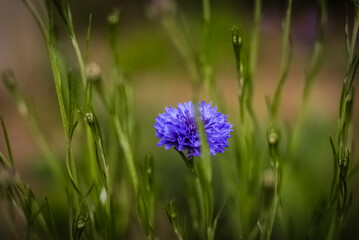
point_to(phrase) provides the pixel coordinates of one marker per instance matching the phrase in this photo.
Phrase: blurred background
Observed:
(160, 79)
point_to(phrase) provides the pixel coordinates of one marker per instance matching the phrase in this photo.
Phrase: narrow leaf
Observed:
(7, 142)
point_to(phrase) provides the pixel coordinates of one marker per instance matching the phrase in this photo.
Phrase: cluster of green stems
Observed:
(252, 179)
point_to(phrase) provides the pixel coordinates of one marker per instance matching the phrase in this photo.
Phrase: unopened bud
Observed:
(93, 72)
(236, 36)
(272, 136)
(344, 158)
(81, 224)
(9, 79)
(171, 211)
(89, 118)
(82, 218)
(103, 196)
(113, 17)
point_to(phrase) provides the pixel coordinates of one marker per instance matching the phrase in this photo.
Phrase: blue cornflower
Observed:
(178, 128)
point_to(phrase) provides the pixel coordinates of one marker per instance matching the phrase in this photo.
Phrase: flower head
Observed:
(177, 127)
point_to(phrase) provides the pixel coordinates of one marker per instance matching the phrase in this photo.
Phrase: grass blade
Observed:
(11, 162)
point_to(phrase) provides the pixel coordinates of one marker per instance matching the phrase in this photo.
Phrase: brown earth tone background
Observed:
(159, 75)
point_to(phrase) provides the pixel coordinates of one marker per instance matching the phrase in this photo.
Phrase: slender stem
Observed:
(273, 211)
(199, 173)
(23, 108)
(200, 196)
(127, 151)
(184, 48)
(310, 77)
(206, 10)
(206, 67)
(49, 155)
(57, 77)
(189, 163)
(344, 136)
(88, 37)
(54, 61)
(353, 41)
(37, 18)
(284, 63)
(92, 155)
(273, 138)
(79, 59)
(255, 37)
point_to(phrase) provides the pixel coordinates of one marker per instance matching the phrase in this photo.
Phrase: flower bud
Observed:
(237, 38)
(171, 211)
(113, 18)
(81, 224)
(89, 118)
(344, 157)
(93, 72)
(272, 136)
(9, 80)
(103, 196)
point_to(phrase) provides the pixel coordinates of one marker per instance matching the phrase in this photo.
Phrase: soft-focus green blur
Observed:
(160, 78)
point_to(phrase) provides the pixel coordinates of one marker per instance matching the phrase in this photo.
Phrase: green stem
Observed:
(206, 11)
(79, 59)
(273, 210)
(200, 196)
(23, 108)
(310, 78)
(255, 38)
(177, 35)
(37, 18)
(92, 155)
(54, 61)
(57, 77)
(127, 151)
(51, 158)
(206, 68)
(353, 41)
(284, 63)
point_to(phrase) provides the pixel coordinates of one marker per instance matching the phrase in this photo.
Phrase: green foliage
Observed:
(108, 190)
(176, 223)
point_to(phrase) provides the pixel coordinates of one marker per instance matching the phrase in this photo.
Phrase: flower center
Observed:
(192, 125)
